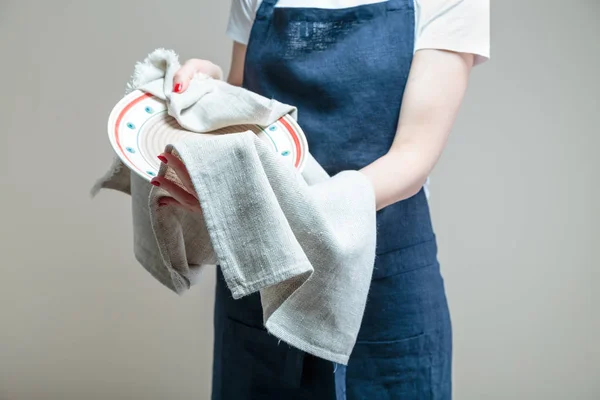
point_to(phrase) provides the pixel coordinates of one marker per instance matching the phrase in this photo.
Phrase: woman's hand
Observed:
(181, 197)
(185, 197)
(186, 72)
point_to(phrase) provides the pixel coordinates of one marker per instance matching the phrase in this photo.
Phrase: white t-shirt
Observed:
(454, 25)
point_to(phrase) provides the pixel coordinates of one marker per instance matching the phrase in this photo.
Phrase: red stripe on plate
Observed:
(118, 125)
(295, 138)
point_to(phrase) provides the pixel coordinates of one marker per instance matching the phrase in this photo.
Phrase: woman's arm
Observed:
(436, 85)
(238, 59)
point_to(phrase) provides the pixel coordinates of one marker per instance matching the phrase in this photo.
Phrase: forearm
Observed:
(238, 59)
(399, 174)
(432, 98)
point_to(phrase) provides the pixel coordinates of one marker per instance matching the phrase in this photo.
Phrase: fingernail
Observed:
(155, 183)
(163, 159)
(177, 87)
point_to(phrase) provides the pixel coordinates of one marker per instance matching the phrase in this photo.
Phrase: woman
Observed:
(378, 85)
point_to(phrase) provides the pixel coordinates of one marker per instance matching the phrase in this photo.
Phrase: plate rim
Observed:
(126, 102)
(134, 97)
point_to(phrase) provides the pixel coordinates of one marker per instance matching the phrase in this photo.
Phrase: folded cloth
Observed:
(305, 241)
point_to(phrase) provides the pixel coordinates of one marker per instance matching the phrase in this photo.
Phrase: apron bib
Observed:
(346, 71)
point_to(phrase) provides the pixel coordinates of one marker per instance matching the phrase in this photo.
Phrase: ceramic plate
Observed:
(139, 129)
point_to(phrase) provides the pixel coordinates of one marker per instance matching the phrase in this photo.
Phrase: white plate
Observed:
(139, 129)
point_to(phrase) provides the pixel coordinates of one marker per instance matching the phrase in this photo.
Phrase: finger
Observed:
(180, 169)
(183, 76)
(177, 192)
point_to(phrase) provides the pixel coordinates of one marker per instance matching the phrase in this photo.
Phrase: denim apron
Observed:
(345, 70)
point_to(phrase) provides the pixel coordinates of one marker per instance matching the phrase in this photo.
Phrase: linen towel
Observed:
(305, 241)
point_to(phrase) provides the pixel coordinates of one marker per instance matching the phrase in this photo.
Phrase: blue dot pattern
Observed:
(150, 173)
(131, 150)
(149, 110)
(273, 128)
(285, 153)
(130, 125)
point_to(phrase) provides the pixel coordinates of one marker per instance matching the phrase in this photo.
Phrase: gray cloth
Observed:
(305, 241)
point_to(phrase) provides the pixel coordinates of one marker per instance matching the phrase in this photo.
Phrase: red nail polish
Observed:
(155, 183)
(163, 159)
(177, 87)
(162, 204)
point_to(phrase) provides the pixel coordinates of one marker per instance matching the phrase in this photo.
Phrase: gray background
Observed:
(514, 200)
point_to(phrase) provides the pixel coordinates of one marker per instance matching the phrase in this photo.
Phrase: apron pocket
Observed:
(257, 362)
(397, 261)
(399, 369)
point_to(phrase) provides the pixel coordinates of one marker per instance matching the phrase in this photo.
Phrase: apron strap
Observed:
(266, 9)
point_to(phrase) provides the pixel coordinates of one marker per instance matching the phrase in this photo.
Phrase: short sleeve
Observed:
(241, 18)
(455, 25)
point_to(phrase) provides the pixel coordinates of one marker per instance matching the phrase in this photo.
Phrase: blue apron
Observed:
(345, 70)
